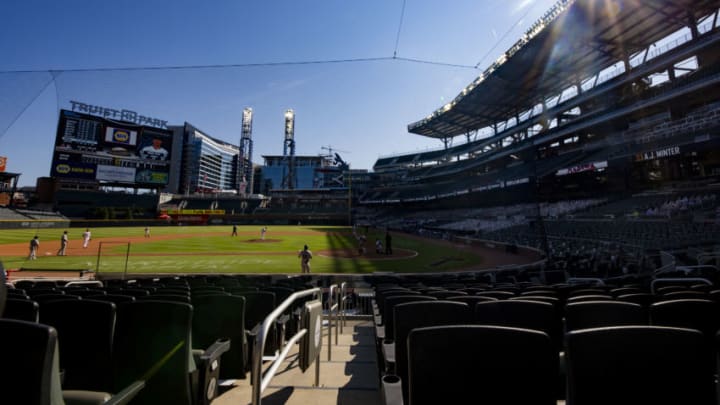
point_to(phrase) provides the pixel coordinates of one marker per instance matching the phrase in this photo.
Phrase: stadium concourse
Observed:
(593, 140)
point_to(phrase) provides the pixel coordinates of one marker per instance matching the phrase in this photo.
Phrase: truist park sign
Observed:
(122, 115)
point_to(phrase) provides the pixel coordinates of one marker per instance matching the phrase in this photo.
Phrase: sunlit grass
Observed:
(211, 249)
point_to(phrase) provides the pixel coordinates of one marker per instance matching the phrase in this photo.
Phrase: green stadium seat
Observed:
(32, 375)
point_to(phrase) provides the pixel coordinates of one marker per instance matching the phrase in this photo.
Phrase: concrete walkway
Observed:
(350, 378)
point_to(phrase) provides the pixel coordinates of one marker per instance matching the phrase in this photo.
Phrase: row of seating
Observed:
(170, 338)
(400, 310)
(624, 365)
(102, 347)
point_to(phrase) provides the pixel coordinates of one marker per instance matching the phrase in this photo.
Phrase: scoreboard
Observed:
(90, 148)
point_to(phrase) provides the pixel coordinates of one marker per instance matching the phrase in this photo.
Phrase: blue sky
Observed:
(88, 51)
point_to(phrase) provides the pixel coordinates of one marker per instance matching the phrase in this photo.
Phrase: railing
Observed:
(260, 381)
(85, 283)
(667, 261)
(586, 280)
(653, 288)
(333, 305)
(706, 258)
(343, 306)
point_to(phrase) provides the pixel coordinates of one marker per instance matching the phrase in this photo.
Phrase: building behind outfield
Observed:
(100, 172)
(308, 172)
(208, 164)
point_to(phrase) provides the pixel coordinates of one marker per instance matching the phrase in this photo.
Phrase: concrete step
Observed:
(350, 377)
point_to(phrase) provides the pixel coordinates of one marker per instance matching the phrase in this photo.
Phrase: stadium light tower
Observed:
(245, 169)
(289, 149)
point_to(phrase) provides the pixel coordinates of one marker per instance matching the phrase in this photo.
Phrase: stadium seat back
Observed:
(700, 314)
(491, 364)
(391, 302)
(595, 314)
(28, 352)
(222, 316)
(146, 331)
(412, 315)
(85, 331)
(626, 365)
(523, 314)
(21, 309)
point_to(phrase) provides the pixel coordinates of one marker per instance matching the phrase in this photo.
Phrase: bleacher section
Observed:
(11, 214)
(33, 219)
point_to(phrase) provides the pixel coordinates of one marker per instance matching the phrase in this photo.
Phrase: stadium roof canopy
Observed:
(573, 41)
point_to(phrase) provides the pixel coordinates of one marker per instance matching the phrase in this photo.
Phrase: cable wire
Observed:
(397, 37)
(42, 90)
(217, 66)
(430, 62)
(237, 65)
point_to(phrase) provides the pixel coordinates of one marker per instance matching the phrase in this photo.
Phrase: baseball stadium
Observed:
(561, 246)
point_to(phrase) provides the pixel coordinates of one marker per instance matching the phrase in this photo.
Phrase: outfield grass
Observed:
(184, 249)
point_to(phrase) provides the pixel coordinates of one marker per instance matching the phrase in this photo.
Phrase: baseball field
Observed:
(212, 249)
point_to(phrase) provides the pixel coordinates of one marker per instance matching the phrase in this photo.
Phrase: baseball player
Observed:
(63, 244)
(305, 255)
(86, 238)
(34, 246)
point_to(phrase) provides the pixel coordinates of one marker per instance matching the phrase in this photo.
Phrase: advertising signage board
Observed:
(94, 148)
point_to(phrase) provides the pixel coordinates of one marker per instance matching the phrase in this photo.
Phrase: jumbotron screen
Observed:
(93, 148)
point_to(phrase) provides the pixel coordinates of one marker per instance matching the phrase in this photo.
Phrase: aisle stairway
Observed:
(349, 378)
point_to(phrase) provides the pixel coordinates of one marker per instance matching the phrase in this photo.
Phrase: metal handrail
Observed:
(343, 305)
(702, 258)
(260, 382)
(84, 282)
(331, 291)
(583, 280)
(678, 279)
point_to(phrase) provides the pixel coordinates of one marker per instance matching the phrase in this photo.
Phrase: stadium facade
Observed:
(592, 99)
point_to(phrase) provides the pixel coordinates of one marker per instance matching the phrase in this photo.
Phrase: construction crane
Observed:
(330, 150)
(332, 153)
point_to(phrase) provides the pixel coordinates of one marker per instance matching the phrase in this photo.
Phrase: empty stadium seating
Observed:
(639, 364)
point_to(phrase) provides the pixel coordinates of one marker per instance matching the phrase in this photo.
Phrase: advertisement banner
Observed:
(150, 176)
(3, 163)
(121, 136)
(657, 154)
(116, 173)
(586, 167)
(75, 170)
(196, 212)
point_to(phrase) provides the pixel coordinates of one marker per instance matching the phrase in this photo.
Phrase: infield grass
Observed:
(211, 249)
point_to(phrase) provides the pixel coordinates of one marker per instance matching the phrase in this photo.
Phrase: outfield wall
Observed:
(34, 223)
(187, 220)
